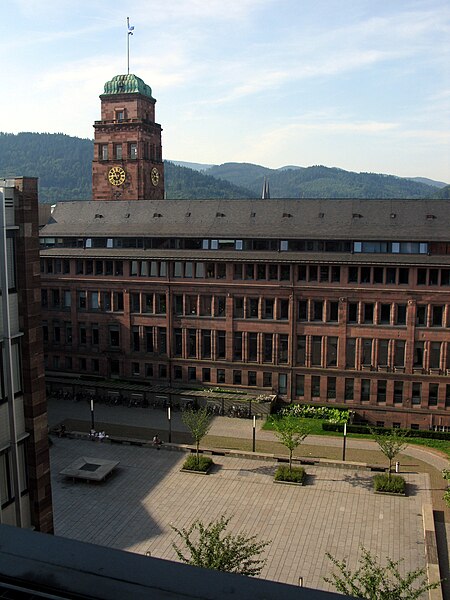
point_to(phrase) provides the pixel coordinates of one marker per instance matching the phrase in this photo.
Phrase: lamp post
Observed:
(344, 441)
(254, 433)
(92, 414)
(170, 424)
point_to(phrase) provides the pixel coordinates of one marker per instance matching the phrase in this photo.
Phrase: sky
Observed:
(362, 85)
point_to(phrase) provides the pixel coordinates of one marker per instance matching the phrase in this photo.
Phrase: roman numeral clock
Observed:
(127, 162)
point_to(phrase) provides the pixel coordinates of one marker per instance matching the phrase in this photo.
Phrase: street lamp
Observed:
(344, 441)
(92, 415)
(170, 424)
(254, 433)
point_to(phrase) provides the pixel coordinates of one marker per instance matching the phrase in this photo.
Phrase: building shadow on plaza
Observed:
(112, 512)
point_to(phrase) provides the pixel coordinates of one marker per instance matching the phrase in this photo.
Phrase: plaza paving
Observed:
(336, 512)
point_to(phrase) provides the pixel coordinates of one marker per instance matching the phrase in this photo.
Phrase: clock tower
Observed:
(127, 161)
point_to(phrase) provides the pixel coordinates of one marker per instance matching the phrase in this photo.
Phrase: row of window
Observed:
(307, 387)
(248, 271)
(380, 391)
(251, 244)
(129, 151)
(311, 310)
(310, 351)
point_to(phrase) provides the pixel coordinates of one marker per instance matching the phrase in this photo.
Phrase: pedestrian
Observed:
(157, 442)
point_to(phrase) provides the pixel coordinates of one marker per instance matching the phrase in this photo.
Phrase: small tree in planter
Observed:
(391, 444)
(199, 423)
(291, 432)
(210, 547)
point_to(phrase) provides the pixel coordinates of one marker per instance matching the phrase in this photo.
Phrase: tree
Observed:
(291, 432)
(390, 444)
(199, 423)
(212, 548)
(372, 581)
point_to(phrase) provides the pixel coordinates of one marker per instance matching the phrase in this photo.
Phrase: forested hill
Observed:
(321, 182)
(63, 165)
(181, 182)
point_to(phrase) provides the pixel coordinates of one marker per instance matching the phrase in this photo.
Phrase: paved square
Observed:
(336, 512)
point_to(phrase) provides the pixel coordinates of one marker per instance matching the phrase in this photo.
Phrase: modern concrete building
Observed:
(24, 461)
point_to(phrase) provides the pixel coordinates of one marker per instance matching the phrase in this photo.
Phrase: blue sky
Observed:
(363, 85)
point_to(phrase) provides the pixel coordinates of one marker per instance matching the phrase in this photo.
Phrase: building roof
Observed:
(396, 220)
(127, 84)
(254, 256)
(35, 565)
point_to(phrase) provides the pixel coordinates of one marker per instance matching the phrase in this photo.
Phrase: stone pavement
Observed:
(59, 410)
(337, 512)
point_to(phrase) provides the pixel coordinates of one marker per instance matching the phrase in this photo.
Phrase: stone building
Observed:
(25, 490)
(342, 302)
(127, 161)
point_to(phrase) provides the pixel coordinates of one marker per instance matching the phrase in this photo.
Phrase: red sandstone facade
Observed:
(368, 332)
(128, 137)
(318, 301)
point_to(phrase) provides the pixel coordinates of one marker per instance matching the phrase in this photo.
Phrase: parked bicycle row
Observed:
(217, 407)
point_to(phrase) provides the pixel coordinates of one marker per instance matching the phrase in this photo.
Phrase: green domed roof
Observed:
(127, 84)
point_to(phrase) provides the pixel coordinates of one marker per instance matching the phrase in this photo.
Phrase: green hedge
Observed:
(435, 435)
(395, 484)
(203, 464)
(296, 475)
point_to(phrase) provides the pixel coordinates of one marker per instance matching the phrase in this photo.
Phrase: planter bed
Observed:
(190, 465)
(395, 485)
(295, 477)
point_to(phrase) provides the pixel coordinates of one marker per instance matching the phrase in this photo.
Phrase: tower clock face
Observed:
(116, 176)
(155, 176)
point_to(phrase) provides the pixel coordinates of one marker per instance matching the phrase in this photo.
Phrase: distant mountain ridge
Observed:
(63, 165)
(321, 182)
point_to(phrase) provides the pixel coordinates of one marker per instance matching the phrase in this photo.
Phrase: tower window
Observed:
(103, 151)
(118, 151)
(132, 151)
(120, 115)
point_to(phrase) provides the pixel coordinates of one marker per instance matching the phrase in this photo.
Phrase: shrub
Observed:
(210, 546)
(295, 475)
(202, 463)
(418, 433)
(371, 580)
(395, 484)
(334, 415)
